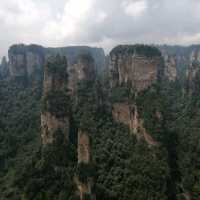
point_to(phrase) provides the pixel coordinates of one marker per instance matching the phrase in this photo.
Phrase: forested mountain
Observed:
(78, 133)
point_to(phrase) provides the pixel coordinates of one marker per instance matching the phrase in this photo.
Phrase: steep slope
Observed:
(28, 60)
(132, 136)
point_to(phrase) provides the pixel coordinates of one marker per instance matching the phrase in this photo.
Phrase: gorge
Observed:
(76, 124)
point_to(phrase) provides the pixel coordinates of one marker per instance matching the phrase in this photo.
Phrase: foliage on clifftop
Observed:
(57, 66)
(22, 49)
(138, 49)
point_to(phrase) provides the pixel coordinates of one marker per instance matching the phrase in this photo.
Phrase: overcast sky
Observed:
(98, 22)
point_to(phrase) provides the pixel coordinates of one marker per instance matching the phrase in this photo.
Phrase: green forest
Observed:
(122, 167)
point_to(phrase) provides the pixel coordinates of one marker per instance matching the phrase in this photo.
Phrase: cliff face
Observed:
(55, 115)
(83, 147)
(181, 58)
(82, 69)
(136, 67)
(4, 71)
(193, 72)
(170, 71)
(131, 66)
(84, 158)
(60, 85)
(127, 114)
(28, 60)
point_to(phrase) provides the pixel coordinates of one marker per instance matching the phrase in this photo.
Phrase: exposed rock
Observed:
(127, 114)
(50, 124)
(183, 57)
(170, 71)
(193, 73)
(4, 71)
(134, 66)
(85, 189)
(54, 116)
(83, 147)
(28, 60)
(84, 158)
(82, 69)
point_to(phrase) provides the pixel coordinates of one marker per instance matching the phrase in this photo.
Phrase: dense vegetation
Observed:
(142, 50)
(122, 167)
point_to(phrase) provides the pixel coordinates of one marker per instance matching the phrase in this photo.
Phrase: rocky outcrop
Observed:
(4, 71)
(170, 71)
(83, 147)
(136, 66)
(84, 159)
(183, 57)
(55, 116)
(127, 114)
(82, 69)
(28, 60)
(193, 73)
(50, 124)
(61, 78)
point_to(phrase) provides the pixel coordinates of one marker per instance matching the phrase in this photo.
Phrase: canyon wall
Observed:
(184, 59)
(55, 114)
(131, 65)
(4, 71)
(136, 67)
(193, 73)
(28, 60)
(61, 79)
(82, 69)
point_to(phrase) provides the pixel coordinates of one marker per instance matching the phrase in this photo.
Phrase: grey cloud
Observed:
(102, 23)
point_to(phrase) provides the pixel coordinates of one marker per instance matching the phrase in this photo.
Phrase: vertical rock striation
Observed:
(170, 70)
(193, 73)
(137, 66)
(4, 71)
(83, 147)
(56, 104)
(85, 184)
(27, 61)
(82, 69)
(127, 114)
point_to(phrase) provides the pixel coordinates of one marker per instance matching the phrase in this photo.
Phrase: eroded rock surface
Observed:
(127, 114)
(132, 67)
(82, 69)
(29, 60)
(83, 147)
(55, 116)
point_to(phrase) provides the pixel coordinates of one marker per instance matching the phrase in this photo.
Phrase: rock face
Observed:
(83, 147)
(127, 114)
(50, 124)
(170, 71)
(137, 66)
(55, 115)
(28, 60)
(82, 69)
(84, 157)
(183, 57)
(61, 78)
(193, 73)
(4, 71)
